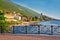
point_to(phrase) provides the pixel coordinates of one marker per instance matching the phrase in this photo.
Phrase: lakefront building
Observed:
(12, 16)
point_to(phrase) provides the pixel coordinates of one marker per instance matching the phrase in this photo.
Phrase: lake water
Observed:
(52, 22)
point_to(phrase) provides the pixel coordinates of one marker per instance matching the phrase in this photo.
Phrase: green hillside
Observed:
(10, 6)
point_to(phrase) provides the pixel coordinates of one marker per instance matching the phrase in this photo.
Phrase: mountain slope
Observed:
(8, 5)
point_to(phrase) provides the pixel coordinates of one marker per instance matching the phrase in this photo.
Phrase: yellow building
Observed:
(12, 16)
(9, 16)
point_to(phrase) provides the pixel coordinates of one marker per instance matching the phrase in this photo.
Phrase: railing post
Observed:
(59, 30)
(1, 30)
(13, 30)
(26, 29)
(52, 30)
(38, 29)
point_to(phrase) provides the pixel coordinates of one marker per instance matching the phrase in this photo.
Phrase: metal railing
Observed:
(46, 29)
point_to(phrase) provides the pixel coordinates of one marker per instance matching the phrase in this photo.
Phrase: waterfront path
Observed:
(26, 37)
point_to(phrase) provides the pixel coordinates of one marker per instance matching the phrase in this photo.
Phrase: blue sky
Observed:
(48, 7)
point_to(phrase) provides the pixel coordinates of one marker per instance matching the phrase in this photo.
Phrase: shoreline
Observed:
(25, 23)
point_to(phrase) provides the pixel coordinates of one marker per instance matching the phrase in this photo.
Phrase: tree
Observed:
(3, 24)
(35, 18)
